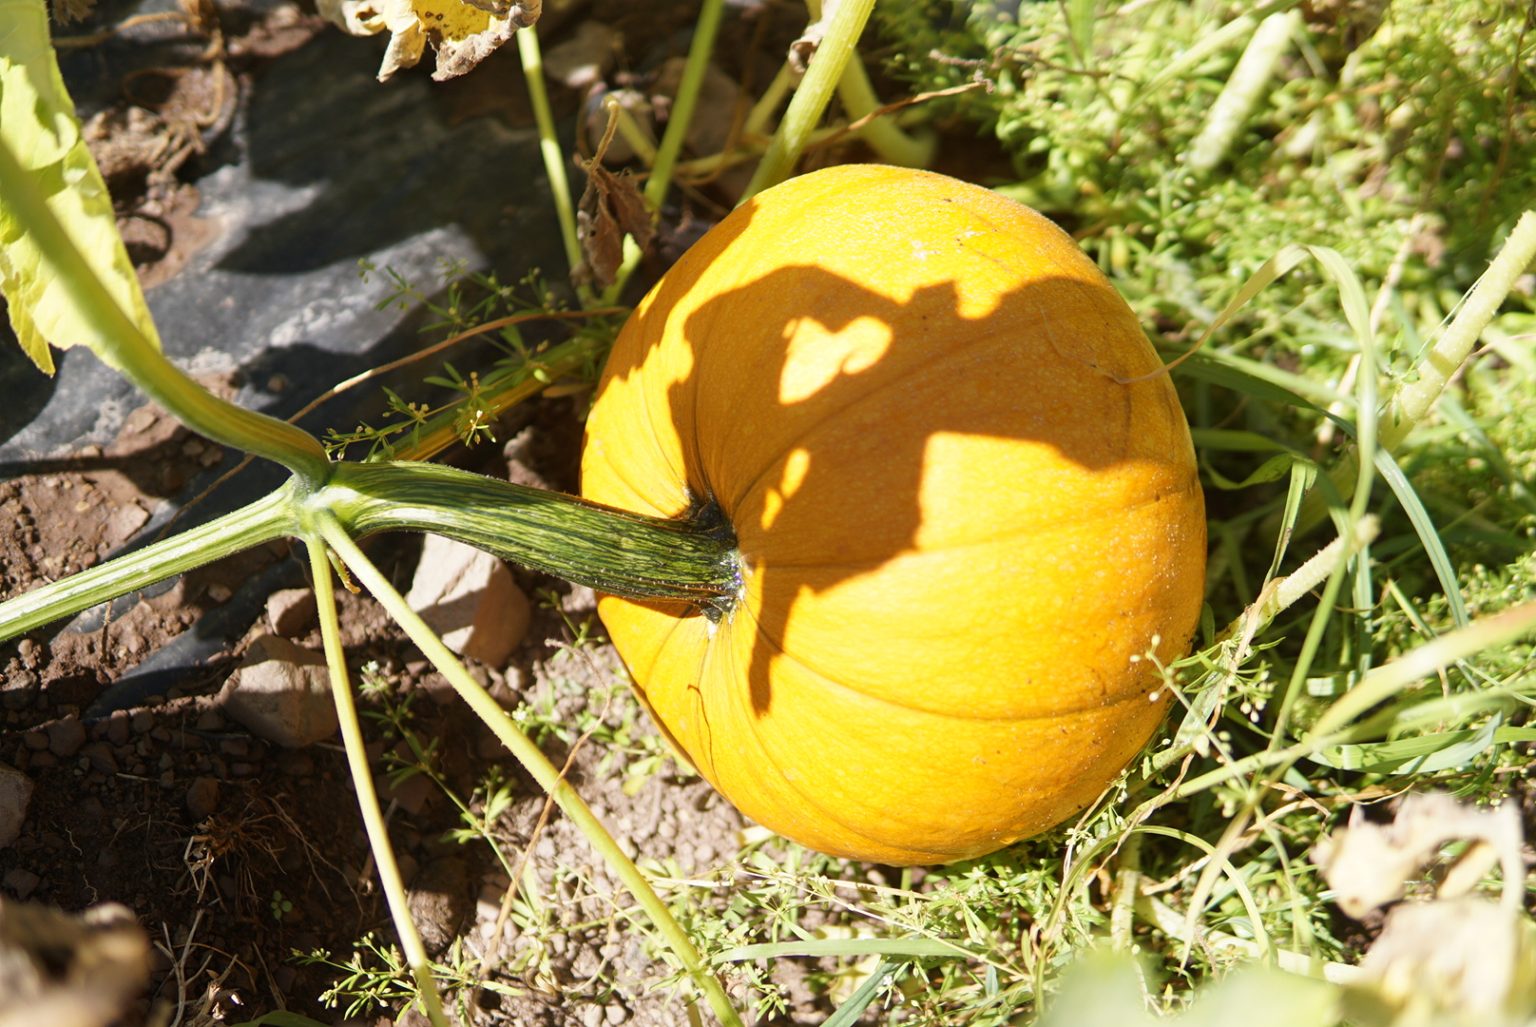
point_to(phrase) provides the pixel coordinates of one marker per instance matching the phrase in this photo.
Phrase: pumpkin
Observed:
(964, 500)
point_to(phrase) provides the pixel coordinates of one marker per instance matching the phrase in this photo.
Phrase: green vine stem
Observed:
(1414, 400)
(534, 761)
(810, 100)
(1270, 42)
(362, 782)
(139, 359)
(618, 552)
(549, 143)
(268, 518)
(499, 391)
(883, 135)
(699, 51)
(1416, 397)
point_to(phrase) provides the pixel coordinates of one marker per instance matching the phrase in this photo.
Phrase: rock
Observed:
(15, 795)
(470, 599)
(203, 798)
(21, 882)
(100, 757)
(65, 737)
(117, 728)
(282, 693)
(126, 519)
(439, 901)
(291, 611)
(582, 60)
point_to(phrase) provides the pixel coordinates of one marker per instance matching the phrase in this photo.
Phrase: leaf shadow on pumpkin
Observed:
(816, 410)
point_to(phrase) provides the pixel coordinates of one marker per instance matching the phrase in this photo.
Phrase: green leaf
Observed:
(39, 128)
(853, 1006)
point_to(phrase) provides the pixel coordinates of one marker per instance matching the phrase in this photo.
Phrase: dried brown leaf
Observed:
(462, 32)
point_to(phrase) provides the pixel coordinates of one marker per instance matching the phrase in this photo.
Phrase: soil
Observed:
(234, 854)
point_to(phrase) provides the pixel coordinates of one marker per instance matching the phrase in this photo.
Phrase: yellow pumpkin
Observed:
(961, 530)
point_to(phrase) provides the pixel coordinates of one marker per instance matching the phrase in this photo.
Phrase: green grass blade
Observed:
(853, 1006)
(1429, 538)
(1390, 678)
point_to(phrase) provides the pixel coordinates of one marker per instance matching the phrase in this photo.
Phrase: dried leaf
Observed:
(1367, 865)
(462, 32)
(1458, 961)
(803, 49)
(611, 205)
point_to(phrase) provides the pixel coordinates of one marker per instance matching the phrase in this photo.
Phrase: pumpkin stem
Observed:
(691, 559)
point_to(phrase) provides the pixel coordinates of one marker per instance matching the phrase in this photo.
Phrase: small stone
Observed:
(35, 740)
(100, 757)
(209, 720)
(15, 796)
(20, 690)
(439, 901)
(219, 593)
(281, 693)
(126, 519)
(237, 747)
(413, 793)
(291, 612)
(21, 882)
(202, 798)
(582, 60)
(118, 728)
(469, 598)
(615, 1013)
(142, 722)
(30, 652)
(592, 1016)
(65, 737)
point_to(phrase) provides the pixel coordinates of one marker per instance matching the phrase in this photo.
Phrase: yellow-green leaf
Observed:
(39, 128)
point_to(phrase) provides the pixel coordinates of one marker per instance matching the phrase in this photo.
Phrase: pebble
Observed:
(202, 798)
(20, 882)
(470, 599)
(99, 756)
(15, 797)
(142, 722)
(291, 612)
(118, 728)
(65, 737)
(281, 693)
(438, 901)
(30, 652)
